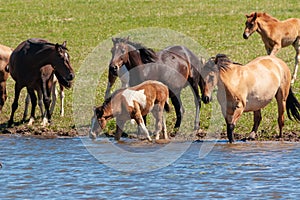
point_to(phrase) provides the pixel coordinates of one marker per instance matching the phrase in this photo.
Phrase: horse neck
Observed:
(264, 25)
(134, 57)
(45, 56)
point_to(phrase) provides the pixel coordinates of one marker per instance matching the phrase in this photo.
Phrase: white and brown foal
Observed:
(133, 103)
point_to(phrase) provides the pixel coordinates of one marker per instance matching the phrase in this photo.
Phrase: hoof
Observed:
(251, 136)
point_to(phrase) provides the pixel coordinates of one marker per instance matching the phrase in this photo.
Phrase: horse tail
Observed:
(293, 106)
(167, 106)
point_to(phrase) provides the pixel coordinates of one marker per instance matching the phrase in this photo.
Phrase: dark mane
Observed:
(38, 41)
(223, 61)
(148, 55)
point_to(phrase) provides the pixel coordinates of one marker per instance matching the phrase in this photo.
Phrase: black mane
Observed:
(148, 55)
(223, 61)
(39, 41)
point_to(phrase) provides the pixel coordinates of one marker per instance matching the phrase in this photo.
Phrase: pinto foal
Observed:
(134, 103)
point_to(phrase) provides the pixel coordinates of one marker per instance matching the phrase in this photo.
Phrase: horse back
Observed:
(266, 76)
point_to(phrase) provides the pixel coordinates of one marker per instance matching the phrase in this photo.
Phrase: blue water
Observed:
(64, 169)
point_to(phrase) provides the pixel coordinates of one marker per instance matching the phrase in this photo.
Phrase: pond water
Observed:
(61, 168)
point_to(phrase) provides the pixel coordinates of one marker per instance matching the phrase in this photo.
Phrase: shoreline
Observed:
(48, 133)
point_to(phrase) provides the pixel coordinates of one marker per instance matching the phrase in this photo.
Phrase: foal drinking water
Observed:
(134, 103)
(250, 88)
(275, 34)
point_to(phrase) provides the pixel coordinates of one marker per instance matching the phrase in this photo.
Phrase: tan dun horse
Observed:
(133, 103)
(5, 53)
(175, 66)
(250, 88)
(275, 34)
(26, 63)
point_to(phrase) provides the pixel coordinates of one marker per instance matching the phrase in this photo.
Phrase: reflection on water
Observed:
(64, 169)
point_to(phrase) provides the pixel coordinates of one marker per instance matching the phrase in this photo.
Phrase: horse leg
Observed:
(231, 119)
(257, 119)
(47, 86)
(230, 128)
(62, 100)
(197, 101)
(297, 59)
(157, 112)
(281, 103)
(27, 101)
(40, 101)
(120, 127)
(54, 97)
(14, 105)
(33, 105)
(176, 101)
(111, 81)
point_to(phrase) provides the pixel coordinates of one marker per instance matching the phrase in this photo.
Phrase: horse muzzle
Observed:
(114, 70)
(206, 99)
(246, 36)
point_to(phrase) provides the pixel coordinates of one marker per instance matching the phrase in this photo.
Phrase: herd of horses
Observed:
(149, 78)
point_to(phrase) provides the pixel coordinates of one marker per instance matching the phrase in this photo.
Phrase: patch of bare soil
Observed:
(48, 132)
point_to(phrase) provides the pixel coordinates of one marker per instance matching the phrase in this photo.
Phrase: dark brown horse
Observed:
(5, 53)
(49, 80)
(175, 66)
(250, 88)
(26, 62)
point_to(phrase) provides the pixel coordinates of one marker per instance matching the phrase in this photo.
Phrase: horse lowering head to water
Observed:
(133, 103)
(250, 88)
(135, 63)
(275, 34)
(5, 53)
(25, 66)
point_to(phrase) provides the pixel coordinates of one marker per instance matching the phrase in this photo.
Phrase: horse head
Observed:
(98, 122)
(209, 74)
(120, 55)
(251, 25)
(61, 63)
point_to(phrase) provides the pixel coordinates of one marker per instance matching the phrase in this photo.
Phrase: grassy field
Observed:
(215, 25)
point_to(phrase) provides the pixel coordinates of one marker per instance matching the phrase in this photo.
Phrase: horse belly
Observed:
(254, 103)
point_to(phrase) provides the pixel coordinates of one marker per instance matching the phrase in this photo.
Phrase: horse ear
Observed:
(113, 40)
(254, 16)
(56, 46)
(64, 44)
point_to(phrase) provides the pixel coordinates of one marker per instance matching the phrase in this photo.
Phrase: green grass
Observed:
(216, 25)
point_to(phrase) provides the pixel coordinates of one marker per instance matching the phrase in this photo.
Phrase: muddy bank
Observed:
(48, 132)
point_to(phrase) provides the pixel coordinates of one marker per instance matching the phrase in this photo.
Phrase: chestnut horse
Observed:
(133, 103)
(275, 34)
(5, 53)
(250, 88)
(25, 66)
(175, 66)
(49, 80)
